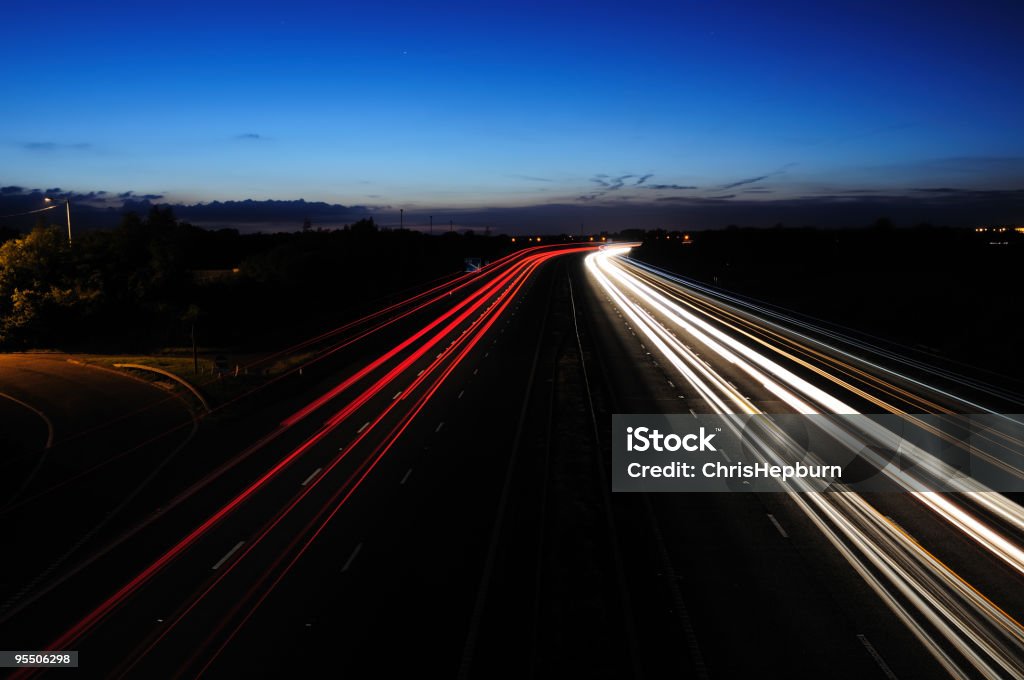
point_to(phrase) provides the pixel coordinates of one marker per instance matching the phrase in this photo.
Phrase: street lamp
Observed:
(67, 204)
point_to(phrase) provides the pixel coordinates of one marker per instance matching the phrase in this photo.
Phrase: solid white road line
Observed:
(310, 478)
(777, 525)
(46, 420)
(351, 558)
(231, 552)
(876, 656)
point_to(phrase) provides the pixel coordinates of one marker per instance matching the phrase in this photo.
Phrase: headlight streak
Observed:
(761, 333)
(871, 431)
(994, 503)
(790, 322)
(989, 640)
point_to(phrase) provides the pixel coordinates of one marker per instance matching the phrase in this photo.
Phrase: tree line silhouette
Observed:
(144, 284)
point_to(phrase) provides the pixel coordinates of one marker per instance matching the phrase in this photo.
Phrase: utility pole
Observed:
(67, 205)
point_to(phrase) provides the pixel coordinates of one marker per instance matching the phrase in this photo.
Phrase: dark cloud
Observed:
(669, 187)
(695, 200)
(249, 135)
(272, 212)
(608, 184)
(742, 182)
(939, 190)
(754, 180)
(92, 196)
(531, 178)
(142, 197)
(53, 146)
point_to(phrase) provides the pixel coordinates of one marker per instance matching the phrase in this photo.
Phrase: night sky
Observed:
(689, 112)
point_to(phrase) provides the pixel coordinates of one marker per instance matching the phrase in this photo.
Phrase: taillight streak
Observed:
(354, 480)
(521, 274)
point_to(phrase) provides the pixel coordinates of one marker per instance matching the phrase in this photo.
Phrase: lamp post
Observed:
(67, 205)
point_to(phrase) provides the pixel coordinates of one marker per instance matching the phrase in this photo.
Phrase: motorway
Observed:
(947, 567)
(432, 495)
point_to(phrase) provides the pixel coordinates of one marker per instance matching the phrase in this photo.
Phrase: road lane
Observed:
(376, 536)
(924, 592)
(341, 474)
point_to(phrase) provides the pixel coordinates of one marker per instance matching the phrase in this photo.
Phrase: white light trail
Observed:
(923, 592)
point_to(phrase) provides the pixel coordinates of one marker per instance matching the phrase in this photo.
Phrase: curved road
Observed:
(95, 417)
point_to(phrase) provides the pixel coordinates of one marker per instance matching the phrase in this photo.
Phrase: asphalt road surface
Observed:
(435, 498)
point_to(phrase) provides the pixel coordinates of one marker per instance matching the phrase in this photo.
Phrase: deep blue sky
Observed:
(677, 106)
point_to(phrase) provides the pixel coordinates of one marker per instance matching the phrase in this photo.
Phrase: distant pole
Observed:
(401, 218)
(431, 225)
(67, 206)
